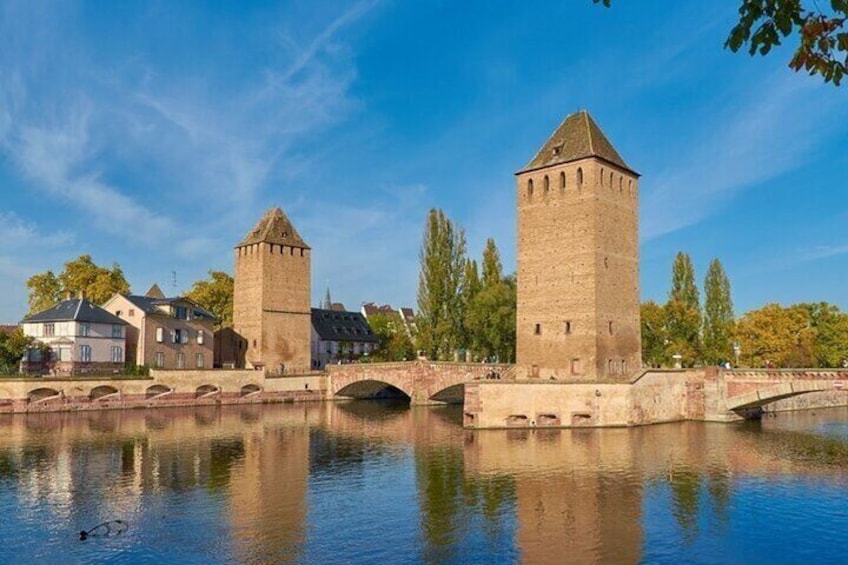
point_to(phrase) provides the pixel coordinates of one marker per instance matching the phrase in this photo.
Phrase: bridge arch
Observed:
(102, 392)
(204, 391)
(250, 390)
(43, 394)
(754, 401)
(372, 388)
(157, 391)
(452, 394)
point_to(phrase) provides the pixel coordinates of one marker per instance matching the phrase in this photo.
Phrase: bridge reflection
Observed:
(577, 493)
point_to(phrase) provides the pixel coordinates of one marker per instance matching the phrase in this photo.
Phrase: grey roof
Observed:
(77, 310)
(149, 305)
(332, 325)
(274, 227)
(577, 137)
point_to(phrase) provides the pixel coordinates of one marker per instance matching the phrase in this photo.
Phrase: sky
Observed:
(155, 134)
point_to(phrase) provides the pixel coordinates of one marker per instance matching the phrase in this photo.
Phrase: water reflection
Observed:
(364, 481)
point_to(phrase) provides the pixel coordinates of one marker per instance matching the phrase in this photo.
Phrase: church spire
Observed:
(327, 304)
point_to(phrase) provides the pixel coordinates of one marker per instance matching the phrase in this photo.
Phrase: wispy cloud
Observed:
(759, 138)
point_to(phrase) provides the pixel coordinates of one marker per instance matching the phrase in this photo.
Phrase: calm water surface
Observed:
(362, 482)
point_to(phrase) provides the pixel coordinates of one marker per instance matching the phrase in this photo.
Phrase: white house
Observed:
(83, 338)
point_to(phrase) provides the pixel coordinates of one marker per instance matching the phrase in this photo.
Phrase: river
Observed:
(369, 482)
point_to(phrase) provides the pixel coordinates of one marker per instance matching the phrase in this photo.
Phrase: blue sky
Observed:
(156, 134)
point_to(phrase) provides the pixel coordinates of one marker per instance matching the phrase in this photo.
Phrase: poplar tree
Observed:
(490, 317)
(491, 264)
(683, 312)
(718, 316)
(440, 311)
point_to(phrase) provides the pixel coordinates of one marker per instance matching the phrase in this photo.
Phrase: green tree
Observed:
(13, 346)
(683, 313)
(471, 286)
(393, 343)
(81, 275)
(821, 34)
(831, 326)
(491, 320)
(718, 316)
(777, 336)
(492, 269)
(215, 294)
(654, 334)
(440, 312)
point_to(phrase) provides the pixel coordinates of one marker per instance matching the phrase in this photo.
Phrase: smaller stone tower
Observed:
(271, 302)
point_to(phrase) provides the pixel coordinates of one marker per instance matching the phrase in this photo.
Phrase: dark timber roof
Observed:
(149, 304)
(577, 137)
(276, 228)
(331, 325)
(76, 309)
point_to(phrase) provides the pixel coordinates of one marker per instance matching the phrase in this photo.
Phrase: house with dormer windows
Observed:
(165, 333)
(82, 338)
(339, 336)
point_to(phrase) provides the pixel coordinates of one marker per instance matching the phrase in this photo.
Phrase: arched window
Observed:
(580, 175)
(630, 187)
(546, 184)
(529, 188)
(610, 179)
(562, 181)
(602, 176)
(621, 185)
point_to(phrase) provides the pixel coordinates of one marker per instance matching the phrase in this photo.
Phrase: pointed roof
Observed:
(274, 227)
(577, 137)
(154, 292)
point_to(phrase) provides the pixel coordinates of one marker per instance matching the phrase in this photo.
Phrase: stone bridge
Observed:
(424, 382)
(746, 391)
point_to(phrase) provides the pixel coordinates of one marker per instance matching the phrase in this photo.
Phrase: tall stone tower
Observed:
(578, 259)
(271, 302)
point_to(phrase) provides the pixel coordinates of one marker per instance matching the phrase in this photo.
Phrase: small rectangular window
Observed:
(575, 366)
(609, 327)
(180, 360)
(538, 329)
(181, 313)
(159, 361)
(49, 330)
(160, 335)
(567, 327)
(130, 312)
(85, 353)
(610, 367)
(117, 354)
(85, 329)
(199, 361)
(117, 331)
(200, 337)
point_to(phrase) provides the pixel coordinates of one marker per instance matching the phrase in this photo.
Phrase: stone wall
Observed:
(578, 272)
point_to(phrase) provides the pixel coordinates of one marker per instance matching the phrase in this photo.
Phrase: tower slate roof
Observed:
(577, 137)
(274, 227)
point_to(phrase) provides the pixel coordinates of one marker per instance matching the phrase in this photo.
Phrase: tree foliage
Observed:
(822, 34)
(718, 316)
(683, 313)
(215, 294)
(393, 343)
(13, 346)
(802, 335)
(654, 334)
(80, 275)
(491, 320)
(492, 269)
(440, 308)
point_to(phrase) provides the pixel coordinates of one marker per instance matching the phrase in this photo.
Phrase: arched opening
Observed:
(621, 185)
(546, 184)
(373, 390)
(562, 181)
(204, 391)
(580, 176)
(250, 390)
(156, 391)
(451, 395)
(43, 395)
(103, 392)
(529, 188)
(602, 176)
(610, 179)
